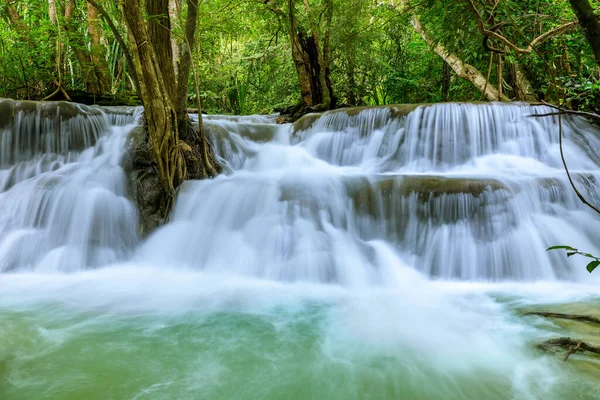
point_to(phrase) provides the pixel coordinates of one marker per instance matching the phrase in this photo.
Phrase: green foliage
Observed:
(592, 265)
(244, 64)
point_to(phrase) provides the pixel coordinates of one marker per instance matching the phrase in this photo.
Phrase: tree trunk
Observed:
(159, 31)
(97, 51)
(350, 74)
(78, 46)
(159, 110)
(522, 89)
(15, 20)
(589, 23)
(52, 11)
(499, 75)
(445, 81)
(174, 10)
(312, 63)
(299, 57)
(185, 65)
(163, 99)
(459, 67)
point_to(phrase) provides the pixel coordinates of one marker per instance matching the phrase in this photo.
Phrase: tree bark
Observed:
(459, 67)
(52, 11)
(445, 81)
(97, 51)
(522, 89)
(159, 110)
(159, 32)
(78, 46)
(121, 41)
(15, 20)
(310, 58)
(298, 56)
(589, 23)
(185, 64)
(174, 11)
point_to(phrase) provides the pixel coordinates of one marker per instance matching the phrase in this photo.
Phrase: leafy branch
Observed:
(572, 251)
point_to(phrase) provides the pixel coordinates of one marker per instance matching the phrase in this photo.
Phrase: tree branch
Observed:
(119, 38)
(535, 42)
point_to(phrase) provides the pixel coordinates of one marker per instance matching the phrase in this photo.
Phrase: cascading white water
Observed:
(63, 200)
(474, 192)
(304, 271)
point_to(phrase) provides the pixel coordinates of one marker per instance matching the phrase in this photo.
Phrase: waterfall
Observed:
(457, 191)
(63, 200)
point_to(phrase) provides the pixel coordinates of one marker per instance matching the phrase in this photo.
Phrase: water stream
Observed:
(364, 254)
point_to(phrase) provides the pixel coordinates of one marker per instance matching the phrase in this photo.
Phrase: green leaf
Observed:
(592, 266)
(561, 248)
(571, 254)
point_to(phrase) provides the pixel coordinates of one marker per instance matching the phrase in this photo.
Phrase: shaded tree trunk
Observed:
(445, 80)
(522, 88)
(52, 11)
(174, 10)
(163, 99)
(159, 32)
(159, 110)
(312, 63)
(589, 23)
(97, 52)
(79, 49)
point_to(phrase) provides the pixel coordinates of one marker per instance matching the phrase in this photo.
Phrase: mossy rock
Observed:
(396, 111)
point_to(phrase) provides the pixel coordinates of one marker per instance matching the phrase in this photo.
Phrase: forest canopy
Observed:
(255, 56)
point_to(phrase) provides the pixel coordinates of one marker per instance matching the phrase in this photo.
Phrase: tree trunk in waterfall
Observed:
(589, 23)
(445, 81)
(206, 166)
(459, 67)
(159, 32)
(176, 153)
(159, 110)
(97, 52)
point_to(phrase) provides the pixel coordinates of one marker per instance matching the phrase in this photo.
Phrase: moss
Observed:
(6, 112)
(370, 196)
(437, 186)
(306, 122)
(396, 111)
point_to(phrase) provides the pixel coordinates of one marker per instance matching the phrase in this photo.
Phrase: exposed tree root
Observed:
(573, 317)
(571, 345)
(59, 89)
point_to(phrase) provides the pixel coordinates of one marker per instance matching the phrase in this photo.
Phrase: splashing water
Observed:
(353, 256)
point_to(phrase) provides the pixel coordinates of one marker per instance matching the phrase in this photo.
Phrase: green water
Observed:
(131, 333)
(94, 344)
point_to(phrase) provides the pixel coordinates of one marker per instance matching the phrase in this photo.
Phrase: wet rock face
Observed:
(144, 183)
